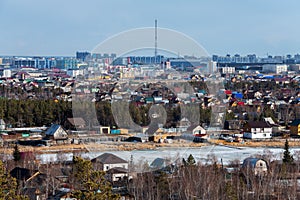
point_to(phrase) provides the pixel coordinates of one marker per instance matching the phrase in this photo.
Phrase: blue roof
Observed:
(269, 77)
(237, 95)
(235, 92)
(158, 163)
(52, 129)
(250, 162)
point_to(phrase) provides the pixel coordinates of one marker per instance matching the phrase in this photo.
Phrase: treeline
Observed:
(18, 113)
(26, 113)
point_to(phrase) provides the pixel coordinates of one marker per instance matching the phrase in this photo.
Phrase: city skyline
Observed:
(221, 27)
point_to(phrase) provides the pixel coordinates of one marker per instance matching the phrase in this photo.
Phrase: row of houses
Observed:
(57, 134)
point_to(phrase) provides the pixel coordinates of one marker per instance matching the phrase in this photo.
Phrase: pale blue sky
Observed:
(62, 27)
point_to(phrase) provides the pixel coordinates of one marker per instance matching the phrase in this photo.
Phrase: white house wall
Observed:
(60, 133)
(261, 167)
(259, 133)
(199, 130)
(118, 176)
(110, 166)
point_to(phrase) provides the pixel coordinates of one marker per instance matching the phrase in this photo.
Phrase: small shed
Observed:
(104, 130)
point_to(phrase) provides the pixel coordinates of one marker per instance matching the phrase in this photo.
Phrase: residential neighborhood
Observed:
(248, 108)
(140, 100)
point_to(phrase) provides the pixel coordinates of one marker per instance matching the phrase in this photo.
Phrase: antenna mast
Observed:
(155, 51)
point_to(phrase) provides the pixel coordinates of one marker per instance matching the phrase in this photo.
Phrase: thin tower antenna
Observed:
(155, 50)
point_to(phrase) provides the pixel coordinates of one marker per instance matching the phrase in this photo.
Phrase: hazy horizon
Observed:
(60, 28)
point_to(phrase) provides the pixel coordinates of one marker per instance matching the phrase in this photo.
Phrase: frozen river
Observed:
(201, 154)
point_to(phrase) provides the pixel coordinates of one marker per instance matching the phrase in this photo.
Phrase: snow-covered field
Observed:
(201, 154)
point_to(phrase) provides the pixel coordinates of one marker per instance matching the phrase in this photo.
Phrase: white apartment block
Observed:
(275, 68)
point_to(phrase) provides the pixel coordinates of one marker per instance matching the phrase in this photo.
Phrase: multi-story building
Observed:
(5, 73)
(295, 67)
(34, 62)
(67, 63)
(24, 62)
(144, 59)
(212, 66)
(275, 68)
(228, 70)
(83, 56)
(75, 72)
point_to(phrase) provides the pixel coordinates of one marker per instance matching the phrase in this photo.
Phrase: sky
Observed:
(62, 27)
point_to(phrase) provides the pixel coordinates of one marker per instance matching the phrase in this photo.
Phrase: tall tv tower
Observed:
(155, 50)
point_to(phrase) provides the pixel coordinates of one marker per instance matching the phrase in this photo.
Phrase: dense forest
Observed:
(18, 113)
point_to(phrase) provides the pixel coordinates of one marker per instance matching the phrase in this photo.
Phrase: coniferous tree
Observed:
(8, 189)
(191, 160)
(287, 157)
(16, 153)
(90, 184)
